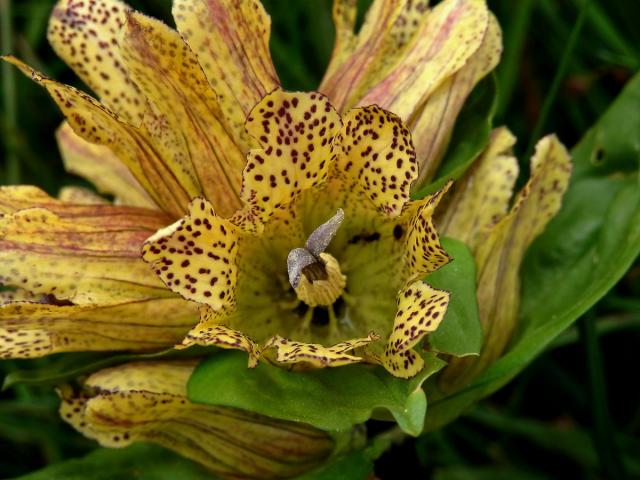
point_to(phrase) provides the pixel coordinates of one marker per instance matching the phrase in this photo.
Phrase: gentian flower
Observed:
(248, 217)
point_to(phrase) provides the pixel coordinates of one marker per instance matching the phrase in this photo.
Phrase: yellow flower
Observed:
(281, 220)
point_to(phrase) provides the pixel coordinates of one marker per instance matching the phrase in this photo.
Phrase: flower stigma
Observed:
(315, 275)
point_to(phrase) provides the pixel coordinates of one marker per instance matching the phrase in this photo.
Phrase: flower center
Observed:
(315, 275)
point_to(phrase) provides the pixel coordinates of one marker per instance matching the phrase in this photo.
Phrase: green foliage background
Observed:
(574, 412)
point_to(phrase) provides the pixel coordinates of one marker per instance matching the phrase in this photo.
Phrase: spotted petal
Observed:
(482, 196)
(361, 61)
(86, 36)
(21, 197)
(500, 256)
(421, 308)
(374, 151)
(423, 252)
(316, 355)
(451, 33)
(20, 295)
(433, 126)
(196, 256)
(231, 40)
(160, 176)
(211, 332)
(295, 131)
(344, 13)
(356, 58)
(147, 402)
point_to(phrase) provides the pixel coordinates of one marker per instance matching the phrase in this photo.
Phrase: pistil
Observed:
(315, 275)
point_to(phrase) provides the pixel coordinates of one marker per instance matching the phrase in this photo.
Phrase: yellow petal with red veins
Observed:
(423, 252)
(147, 402)
(196, 256)
(359, 62)
(295, 131)
(76, 261)
(102, 168)
(421, 308)
(30, 330)
(395, 41)
(374, 150)
(452, 32)
(21, 197)
(433, 126)
(482, 196)
(500, 255)
(85, 35)
(354, 55)
(344, 13)
(316, 355)
(231, 40)
(160, 176)
(191, 128)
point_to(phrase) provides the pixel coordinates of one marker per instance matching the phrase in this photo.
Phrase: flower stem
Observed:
(393, 436)
(515, 36)
(604, 326)
(602, 427)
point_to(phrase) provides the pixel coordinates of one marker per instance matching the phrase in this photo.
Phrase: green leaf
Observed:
(68, 366)
(583, 252)
(460, 333)
(470, 135)
(139, 461)
(329, 399)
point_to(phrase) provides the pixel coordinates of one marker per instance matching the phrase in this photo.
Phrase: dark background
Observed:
(546, 423)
